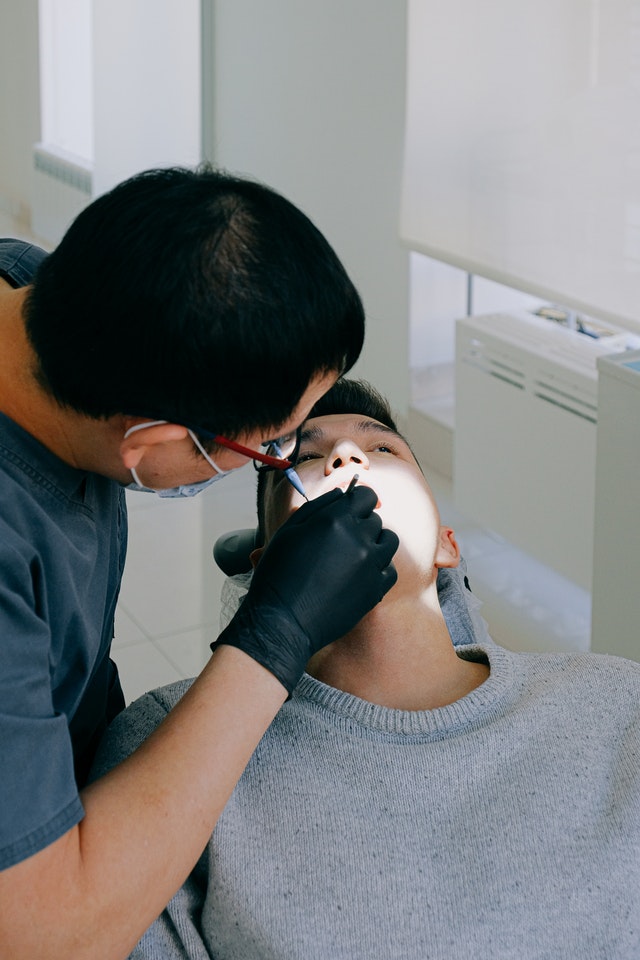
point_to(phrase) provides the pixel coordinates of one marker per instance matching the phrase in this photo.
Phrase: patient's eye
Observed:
(384, 448)
(306, 455)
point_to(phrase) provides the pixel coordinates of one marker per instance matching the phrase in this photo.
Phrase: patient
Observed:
(414, 798)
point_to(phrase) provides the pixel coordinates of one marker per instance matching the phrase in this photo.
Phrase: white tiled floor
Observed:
(169, 605)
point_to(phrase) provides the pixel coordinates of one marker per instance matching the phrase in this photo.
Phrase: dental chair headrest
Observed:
(232, 550)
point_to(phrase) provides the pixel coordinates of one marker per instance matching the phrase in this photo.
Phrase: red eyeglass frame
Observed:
(275, 462)
(278, 463)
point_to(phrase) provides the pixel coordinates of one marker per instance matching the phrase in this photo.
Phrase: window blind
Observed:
(522, 146)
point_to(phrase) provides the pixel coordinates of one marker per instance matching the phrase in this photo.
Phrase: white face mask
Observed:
(185, 489)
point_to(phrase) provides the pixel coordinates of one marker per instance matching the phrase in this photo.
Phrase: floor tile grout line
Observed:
(122, 608)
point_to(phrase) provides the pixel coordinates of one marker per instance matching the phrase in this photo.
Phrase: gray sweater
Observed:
(506, 825)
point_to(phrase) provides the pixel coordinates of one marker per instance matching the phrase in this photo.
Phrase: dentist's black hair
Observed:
(193, 296)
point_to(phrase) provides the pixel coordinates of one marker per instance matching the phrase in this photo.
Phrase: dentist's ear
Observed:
(141, 435)
(448, 552)
(254, 556)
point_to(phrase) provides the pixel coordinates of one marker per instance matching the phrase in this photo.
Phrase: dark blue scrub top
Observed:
(63, 539)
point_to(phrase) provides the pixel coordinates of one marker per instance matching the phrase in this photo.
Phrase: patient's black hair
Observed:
(345, 396)
(354, 396)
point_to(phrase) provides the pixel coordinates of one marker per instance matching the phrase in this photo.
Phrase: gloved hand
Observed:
(323, 570)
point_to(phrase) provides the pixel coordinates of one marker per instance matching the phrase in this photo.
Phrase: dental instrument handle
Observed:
(295, 481)
(291, 475)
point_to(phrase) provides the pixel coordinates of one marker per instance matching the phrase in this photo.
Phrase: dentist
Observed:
(186, 320)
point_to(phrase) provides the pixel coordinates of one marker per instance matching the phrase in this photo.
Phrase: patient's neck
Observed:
(400, 656)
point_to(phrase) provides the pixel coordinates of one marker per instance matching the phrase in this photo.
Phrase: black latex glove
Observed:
(323, 570)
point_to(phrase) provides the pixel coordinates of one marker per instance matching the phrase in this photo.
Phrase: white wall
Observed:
(147, 85)
(19, 103)
(522, 166)
(309, 97)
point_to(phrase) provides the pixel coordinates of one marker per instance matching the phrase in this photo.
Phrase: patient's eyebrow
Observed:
(314, 434)
(311, 434)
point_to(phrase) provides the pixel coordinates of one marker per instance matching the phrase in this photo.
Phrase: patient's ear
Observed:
(448, 552)
(254, 556)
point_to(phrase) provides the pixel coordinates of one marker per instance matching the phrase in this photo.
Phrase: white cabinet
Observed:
(525, 435)
(616, 569)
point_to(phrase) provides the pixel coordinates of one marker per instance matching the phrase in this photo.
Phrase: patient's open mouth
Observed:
(344, 484)
(347, 482)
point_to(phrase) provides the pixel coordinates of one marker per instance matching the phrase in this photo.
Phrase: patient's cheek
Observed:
(282, 500)
(408, 508)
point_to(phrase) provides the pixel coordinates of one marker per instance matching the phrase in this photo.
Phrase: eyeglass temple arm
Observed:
(277, 462)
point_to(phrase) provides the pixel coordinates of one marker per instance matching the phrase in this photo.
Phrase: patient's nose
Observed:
(346, 452)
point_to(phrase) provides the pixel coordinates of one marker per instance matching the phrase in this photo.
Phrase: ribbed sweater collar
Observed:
(356, 716)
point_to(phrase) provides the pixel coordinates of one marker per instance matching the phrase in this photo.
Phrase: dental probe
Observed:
(352, 483)
(295, 481)
(291, 474)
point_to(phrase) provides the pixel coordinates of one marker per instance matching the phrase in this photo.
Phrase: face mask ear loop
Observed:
(143, 426)
(210, 460)
(132, 471)
(134, 429)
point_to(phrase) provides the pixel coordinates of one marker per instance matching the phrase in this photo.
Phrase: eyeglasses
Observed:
(279, 454)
